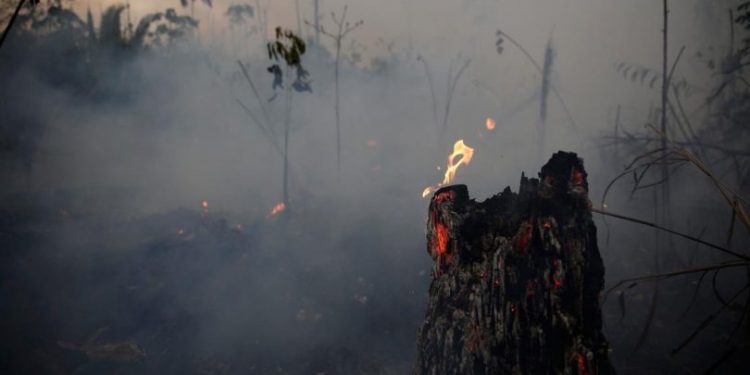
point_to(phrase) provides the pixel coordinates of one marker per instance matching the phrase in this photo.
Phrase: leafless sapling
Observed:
(342, 29)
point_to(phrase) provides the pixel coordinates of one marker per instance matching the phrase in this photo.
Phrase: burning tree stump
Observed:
(516, 280)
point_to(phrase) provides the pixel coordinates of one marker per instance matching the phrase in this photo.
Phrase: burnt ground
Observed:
(89, 284)
(202, 292)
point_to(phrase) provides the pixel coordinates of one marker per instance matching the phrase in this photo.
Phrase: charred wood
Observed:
(516, 280)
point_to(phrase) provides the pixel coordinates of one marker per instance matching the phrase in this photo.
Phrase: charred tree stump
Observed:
(516, 280)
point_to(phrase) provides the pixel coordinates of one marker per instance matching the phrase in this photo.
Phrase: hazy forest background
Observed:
(179, 197)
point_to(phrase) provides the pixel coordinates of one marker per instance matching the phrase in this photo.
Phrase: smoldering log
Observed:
(516, 280)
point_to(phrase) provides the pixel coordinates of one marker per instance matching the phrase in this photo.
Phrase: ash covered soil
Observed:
(192, 290)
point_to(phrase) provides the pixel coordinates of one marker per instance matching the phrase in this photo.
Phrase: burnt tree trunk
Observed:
(516, 280)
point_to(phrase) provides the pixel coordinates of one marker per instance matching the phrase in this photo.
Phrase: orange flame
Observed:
(204, 205)
(490, 124)
(459, 150)
(277, 209)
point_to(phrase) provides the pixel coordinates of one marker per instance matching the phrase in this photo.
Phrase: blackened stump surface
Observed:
(516, 280)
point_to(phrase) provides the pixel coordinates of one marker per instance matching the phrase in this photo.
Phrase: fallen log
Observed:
(516, 280)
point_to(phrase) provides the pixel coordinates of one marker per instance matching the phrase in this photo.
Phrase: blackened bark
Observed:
(516, 280)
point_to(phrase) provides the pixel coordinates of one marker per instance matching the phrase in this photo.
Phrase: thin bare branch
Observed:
(257, 96)
(632, 281)
(672, 231)
(10, 23)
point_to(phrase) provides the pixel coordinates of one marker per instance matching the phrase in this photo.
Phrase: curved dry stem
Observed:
(672, 231)
(708, 321)
(662, 276)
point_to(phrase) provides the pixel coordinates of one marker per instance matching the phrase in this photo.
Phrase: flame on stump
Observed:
(516, 281)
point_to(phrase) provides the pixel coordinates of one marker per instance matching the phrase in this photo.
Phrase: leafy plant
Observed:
(652, 79)
(286, 54)
(239, 14)
(185, 4)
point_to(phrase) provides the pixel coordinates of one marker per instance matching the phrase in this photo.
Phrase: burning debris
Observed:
(459, 150)
(490, 124)
(276, 210)
(516, 280)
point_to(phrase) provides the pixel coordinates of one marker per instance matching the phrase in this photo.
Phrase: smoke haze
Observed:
(103, 188)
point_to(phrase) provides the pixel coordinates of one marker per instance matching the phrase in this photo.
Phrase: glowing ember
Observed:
(581, 364)
(204, 205)
(577, 178)
(277, 209)
(557, 274)
(525, 237)
(490, 124)
(459, 150)
(442, 236)
(372, 142)
(445, 196)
